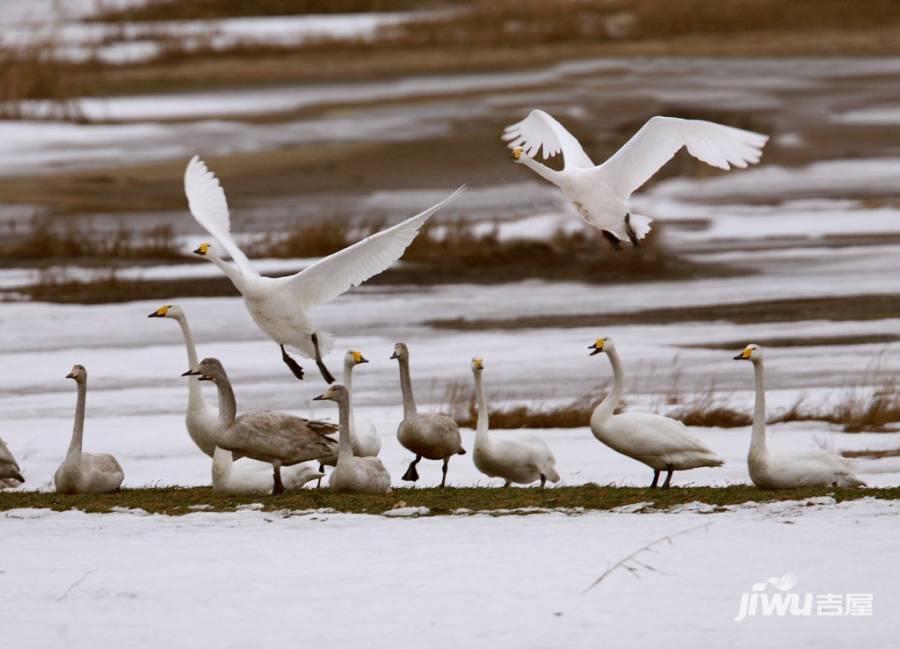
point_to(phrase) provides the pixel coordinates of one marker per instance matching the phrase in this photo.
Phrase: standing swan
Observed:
(522, 460)
(434, 437)
(201, 419)
(252, 477)
(279, 305)
(10, 473)
(661, 443)
(278, 438)
(815, 467)
(354, 475)
(600, 193)
(364, 437)
(85, 473)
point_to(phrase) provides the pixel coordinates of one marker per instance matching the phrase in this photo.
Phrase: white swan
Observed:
(363, 435)
(661, 443)
(202, 419)
(10, 473)
(252, 477)
(522, 460)
(435, 437)
(815, 467)
(278, 438)
(357, 475)
(279, 305)
(85, 473)
(600, 192)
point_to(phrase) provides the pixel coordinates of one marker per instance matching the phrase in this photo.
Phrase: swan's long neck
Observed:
(345, 448)
(227, 404)
(78, 430)
(608, 406)
(541, 170)
(758, 440)
(481, 429)
(409, 401)
(231, 271)
(195, 394)
(348, 380)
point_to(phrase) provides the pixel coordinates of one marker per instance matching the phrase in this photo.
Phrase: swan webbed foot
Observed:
(329, 378)
(668, 482)
(613, 240)
(632, 235)
(412, 474)
(278, 487)
(655, 479)
(444, 472)
(293, 365)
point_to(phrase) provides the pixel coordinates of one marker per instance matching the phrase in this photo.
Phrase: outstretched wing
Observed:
(325, 280)
(661, 138)
(206, 200)
(541, 131)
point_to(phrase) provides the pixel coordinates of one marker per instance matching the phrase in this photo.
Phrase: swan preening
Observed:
(279, 305)
(85, 473)
(815, 467)
(278, 438)
(434, 437)
(10, 473)
(364, 475)
(522, 460)
(600, 192)
(660, 442)
(251, 477)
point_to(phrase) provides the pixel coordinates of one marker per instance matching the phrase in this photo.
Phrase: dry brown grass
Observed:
(710, 409)
(32, 72)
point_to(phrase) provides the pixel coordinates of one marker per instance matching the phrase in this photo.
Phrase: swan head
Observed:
(167, 311)
(516, 153)
(401, 352)
(477, 365)
(335, 392)
(601, 345)
(355, 357)
(203, 249)
(209, 369)
(751, 353)
(78, 373)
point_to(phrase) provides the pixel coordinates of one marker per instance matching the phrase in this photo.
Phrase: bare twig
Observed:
(623, 563)
(74, 585)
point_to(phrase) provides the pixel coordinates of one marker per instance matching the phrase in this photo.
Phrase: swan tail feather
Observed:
(640, 224)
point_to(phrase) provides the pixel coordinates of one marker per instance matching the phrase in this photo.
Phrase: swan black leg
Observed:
(321, 365)
(278, 489)
(655, 479)
(293, 365)
(321, 470)
(669, 470)
(613, 240)
(543, 480)
(444, 471)
(412, 474)
(630, 232)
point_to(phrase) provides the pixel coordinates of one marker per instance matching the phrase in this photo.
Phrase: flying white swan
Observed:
(363, 435)
(251, 477)
(661, 443)
(278, 438)
(434, 437)
(10, 473)
(522, 460)
(600, 192)
(356, 475)
(85, 473)
(815, 467)
(279, 305)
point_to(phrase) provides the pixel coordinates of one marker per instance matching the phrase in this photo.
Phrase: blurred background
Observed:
(328, 120)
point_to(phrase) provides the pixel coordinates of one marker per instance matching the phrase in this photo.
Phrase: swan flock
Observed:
(262, 451)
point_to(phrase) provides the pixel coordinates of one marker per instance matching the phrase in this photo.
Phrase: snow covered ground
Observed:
(336, 580)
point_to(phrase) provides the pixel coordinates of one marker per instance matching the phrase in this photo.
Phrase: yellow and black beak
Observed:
(161, 312)
(202, 249)
(363, 359)
(744, 355)
(516, 153)
(595, 349)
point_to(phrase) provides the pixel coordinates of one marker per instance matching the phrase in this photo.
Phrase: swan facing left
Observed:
(85, 473)
(280, 305)
(10, 473)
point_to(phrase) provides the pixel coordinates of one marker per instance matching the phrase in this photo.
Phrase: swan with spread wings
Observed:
(600, 192)
(279, 305)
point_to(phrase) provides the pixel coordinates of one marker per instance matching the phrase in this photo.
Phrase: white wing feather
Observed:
(337, 273)
(206, 200)
(661, 138)
(541, 131)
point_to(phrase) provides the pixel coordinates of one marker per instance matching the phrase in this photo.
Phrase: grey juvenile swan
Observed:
(10, 473)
